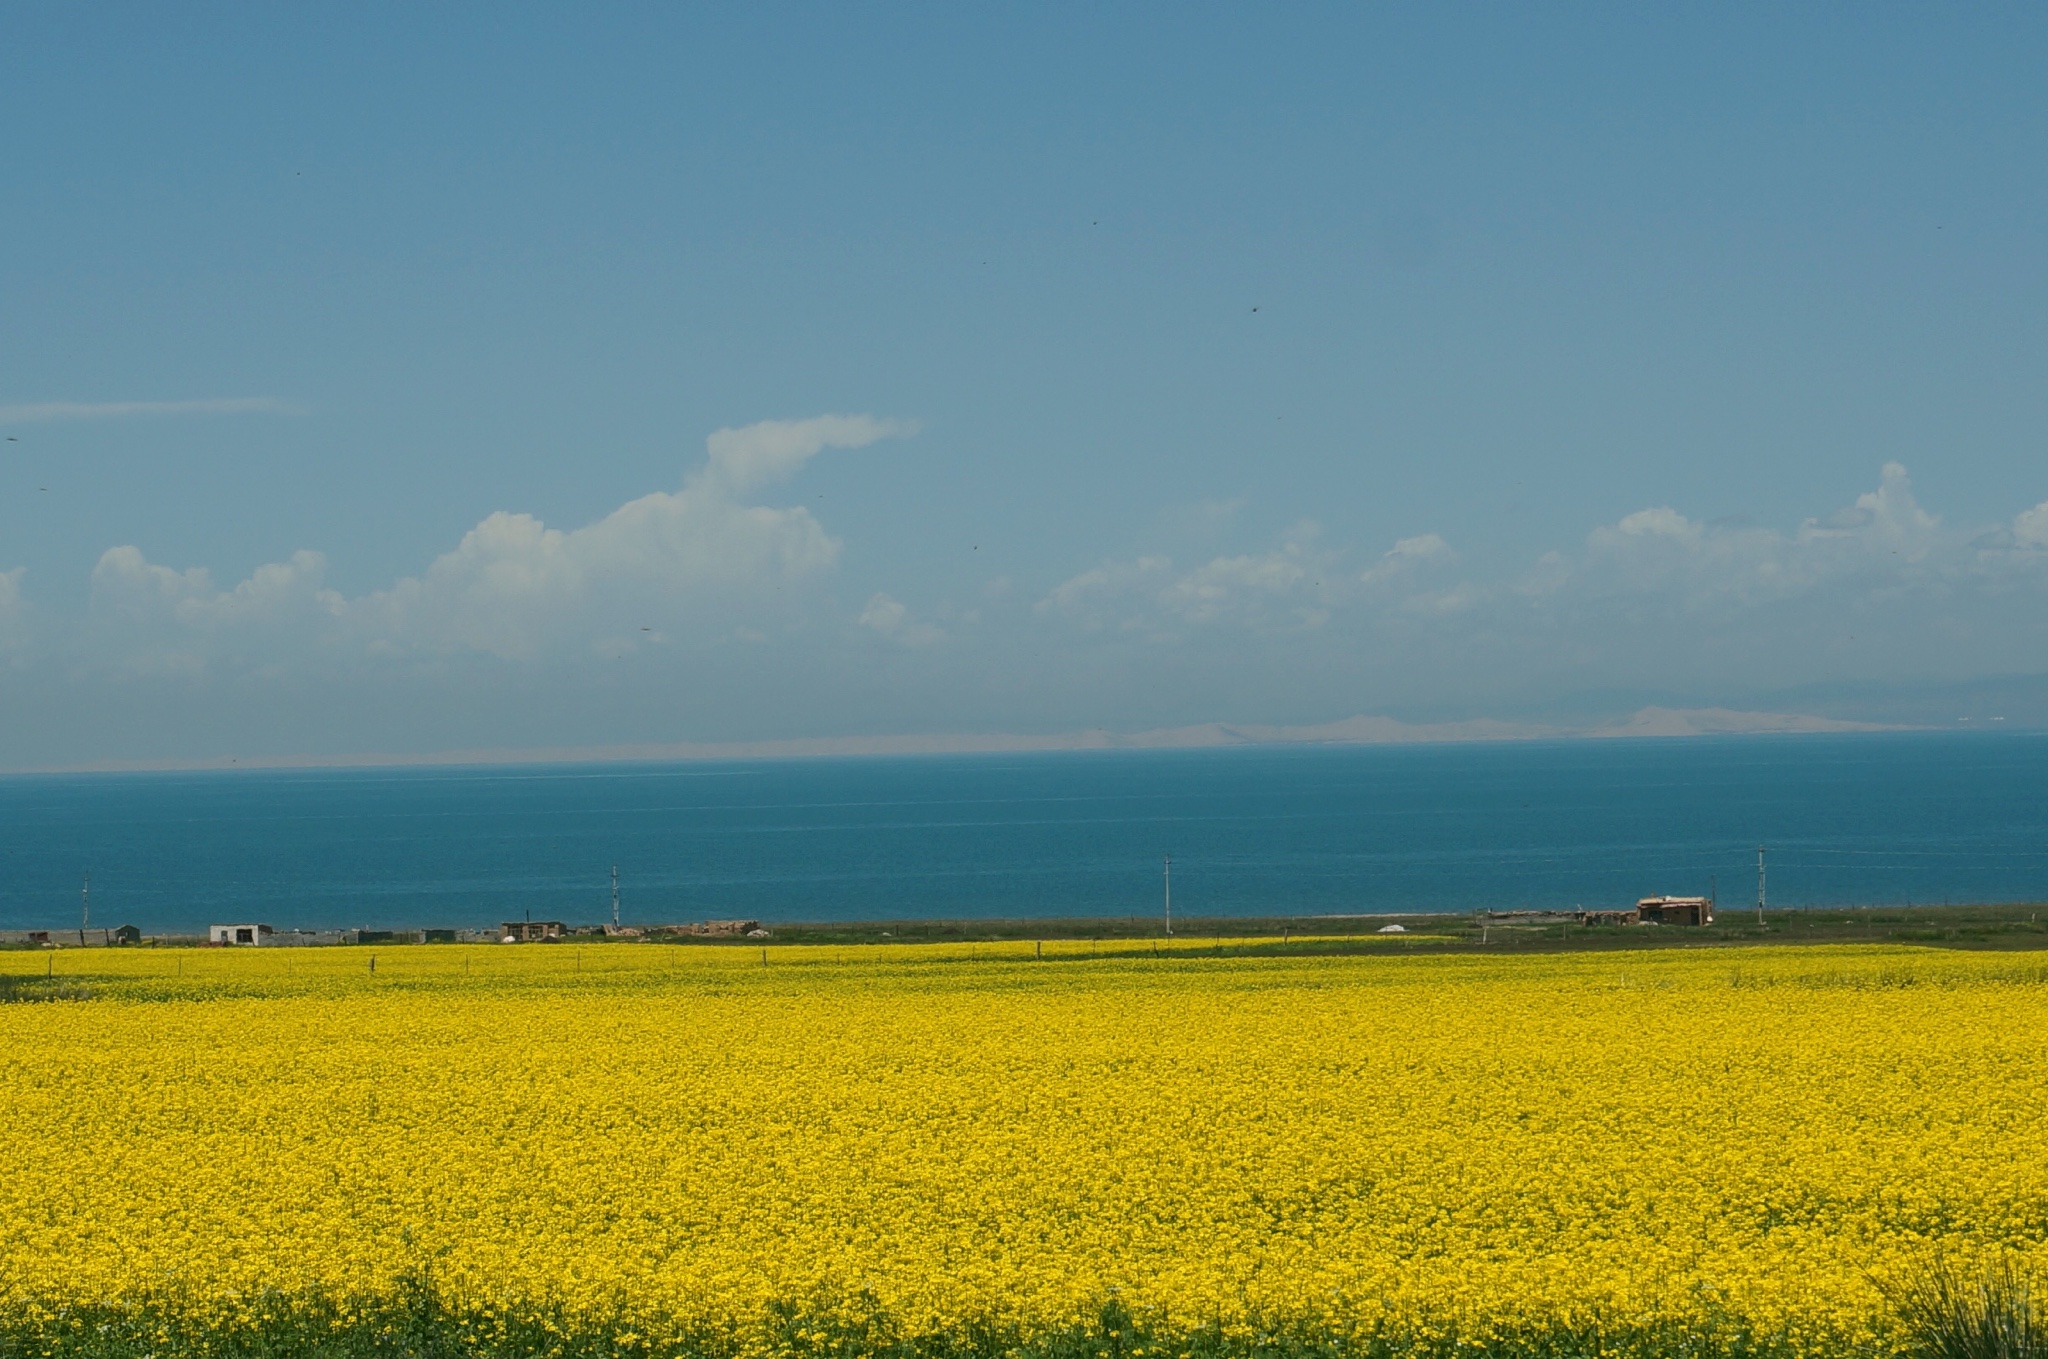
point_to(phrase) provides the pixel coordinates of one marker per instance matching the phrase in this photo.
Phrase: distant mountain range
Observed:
(1643, 723)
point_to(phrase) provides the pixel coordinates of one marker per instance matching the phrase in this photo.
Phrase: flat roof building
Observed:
(1675, 911)
(530, 931)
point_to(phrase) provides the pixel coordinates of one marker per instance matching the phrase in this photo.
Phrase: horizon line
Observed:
(1648, 723)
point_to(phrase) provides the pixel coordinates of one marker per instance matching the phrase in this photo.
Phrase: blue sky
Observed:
(1182, 364)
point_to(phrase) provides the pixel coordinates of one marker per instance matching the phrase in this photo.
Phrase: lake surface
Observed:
(1861, 819)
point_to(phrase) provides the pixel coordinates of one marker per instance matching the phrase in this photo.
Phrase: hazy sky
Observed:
(401, 379)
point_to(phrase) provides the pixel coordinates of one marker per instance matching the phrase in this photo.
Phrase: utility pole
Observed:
(1169, 896)
(615, 896)
(1759, 884)
(84, 908)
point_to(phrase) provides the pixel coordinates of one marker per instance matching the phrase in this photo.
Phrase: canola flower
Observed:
(680, 1141)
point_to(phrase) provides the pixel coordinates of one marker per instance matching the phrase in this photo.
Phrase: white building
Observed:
(246, 936)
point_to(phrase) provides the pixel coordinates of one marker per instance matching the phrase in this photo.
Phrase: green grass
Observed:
(416, 1324)
(1952, 1315)
(18, 990)
(2008, 925)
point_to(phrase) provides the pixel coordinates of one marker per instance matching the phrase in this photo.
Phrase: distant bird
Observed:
(12, 440)
(647, 629)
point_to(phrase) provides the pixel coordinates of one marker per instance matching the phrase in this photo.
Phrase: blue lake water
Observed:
(1861, 819)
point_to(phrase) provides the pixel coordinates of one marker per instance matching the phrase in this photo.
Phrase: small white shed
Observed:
(245, 936)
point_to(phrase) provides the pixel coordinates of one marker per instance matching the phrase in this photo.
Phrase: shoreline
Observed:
(2006, 925)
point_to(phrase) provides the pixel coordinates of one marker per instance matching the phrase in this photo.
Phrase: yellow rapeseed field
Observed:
(685, 1137)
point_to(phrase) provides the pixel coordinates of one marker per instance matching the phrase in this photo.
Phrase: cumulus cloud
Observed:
(152, 619)
(891, 618)
(1281, 588)
(2030, 528)
(715, 568)
(746, 459)
(1098, 598)
(126, 583)
(1887, 517)
(513, 585)
(1405, 558)
(1653, 595)
(1883, 539)
(518, 590)
(45, 411)
(13, 615)
(1292, 587)
(1880, 588)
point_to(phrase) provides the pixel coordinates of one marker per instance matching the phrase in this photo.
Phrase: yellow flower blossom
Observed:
(683, 1137)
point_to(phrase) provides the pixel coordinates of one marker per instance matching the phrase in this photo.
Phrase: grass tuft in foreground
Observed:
(1952, 1315)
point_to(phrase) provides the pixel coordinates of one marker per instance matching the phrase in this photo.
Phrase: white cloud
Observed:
(13, 616)
(1887, 517)
(124, 581)
(1658, 550)
(1101, 597)
(890, 618)
(1297, 585)
(883, 614)
(1662, 522)
(1881, 587)
(278, 592)
(744, 460)
(513, 585)
(708, 571)
(519, 590)
(2030, 527)
(1652, 574)
(45, 411)
(1284, 587)
(1412, 576)
(1884, 539)
(1407, 557)
(1289, 587)
(155, 620)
